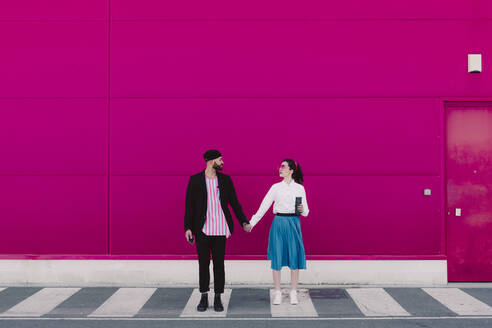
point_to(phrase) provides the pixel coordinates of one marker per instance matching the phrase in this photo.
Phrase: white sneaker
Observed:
(293, 297)
(277, 297)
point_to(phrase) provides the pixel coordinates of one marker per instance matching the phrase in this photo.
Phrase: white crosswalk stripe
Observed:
(125, 302)
(190, 308)
(376, 302)
(458, 301)
(304, 308)
(40, 303)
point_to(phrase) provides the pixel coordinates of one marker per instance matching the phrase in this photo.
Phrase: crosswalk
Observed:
(106, 302)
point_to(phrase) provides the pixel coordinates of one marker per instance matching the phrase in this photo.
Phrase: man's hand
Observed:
(247, 227)
(189, 236)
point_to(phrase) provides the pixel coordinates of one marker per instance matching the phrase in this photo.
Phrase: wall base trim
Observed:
(165, 273)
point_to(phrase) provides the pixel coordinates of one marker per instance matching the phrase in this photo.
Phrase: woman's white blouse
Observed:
(284, 195)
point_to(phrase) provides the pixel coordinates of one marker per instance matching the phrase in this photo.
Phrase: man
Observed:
(208, 219)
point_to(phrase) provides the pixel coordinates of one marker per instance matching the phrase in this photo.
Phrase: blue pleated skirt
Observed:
(285, 246)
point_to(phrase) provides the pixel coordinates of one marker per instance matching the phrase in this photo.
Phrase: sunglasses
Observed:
(283, 166)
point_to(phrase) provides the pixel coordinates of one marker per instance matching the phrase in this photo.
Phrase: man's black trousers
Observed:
(215, 245)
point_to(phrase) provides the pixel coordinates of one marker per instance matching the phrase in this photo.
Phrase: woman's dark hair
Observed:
(297, 174)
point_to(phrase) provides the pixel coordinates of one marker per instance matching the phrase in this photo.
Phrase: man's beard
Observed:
(218, 167)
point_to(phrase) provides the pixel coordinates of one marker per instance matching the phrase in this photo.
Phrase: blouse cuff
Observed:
(254, 220)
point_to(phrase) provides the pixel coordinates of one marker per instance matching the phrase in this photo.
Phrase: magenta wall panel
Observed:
(350, 215)
(292, 58)
(331, 136)
(53, 9)
(53, 214)
(53, 59)
(353, 215)
(147, 215)
(373, 215)
(292, 9)
(53, 136)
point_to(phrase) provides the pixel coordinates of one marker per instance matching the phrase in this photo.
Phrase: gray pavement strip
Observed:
(249, 302)
(419, 303)
(166, 302)
(334, 302)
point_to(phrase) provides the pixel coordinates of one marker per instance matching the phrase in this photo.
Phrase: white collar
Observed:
(289, 184)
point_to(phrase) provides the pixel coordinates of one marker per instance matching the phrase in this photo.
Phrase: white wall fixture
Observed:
(474, 63)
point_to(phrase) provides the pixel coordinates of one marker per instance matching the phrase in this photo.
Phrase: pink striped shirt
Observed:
(215, 224)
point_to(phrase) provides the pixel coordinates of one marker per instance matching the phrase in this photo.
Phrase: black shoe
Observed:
(218, 307)
(203, 305)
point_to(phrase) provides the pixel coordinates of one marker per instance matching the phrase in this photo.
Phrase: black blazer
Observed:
(196, 202)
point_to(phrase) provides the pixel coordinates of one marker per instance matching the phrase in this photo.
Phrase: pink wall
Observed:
(103, 120)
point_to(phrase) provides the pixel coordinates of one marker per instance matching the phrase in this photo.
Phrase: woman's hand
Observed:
(300, 208)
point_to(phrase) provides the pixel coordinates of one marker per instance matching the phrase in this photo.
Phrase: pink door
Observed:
(469, 191)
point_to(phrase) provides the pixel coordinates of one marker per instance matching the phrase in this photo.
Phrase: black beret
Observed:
(211, 154)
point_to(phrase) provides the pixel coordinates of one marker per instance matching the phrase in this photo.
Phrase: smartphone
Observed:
(190, 240)
(298, 202)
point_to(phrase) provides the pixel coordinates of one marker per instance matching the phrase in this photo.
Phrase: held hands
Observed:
(189, 236)
(247, 227)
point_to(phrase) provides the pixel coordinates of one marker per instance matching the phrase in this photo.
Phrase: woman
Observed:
(285, 246)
